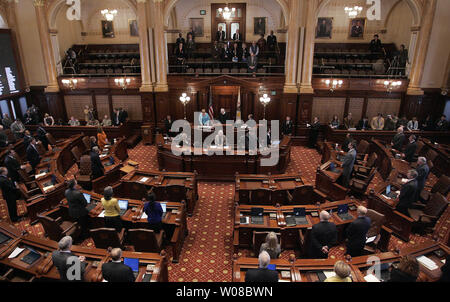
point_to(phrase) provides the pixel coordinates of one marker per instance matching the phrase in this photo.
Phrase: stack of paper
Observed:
(371, 239)
(427, 262)
(15, 253)
(144, 216)
(48, 188)
(102, 214)
(329, 274)
(371, 278)
(39, 175)
(143, 179)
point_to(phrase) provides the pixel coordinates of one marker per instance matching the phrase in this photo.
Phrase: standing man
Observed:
(262, 273)
(399, 138)
(77, 207)
(410, 149)
(168, 125)
(408, 193)
(10, 194)
(220, 35)
(422, 173)
(314, 132)
(60, 260)
(287, 126)
(96, 164)
(116, 271)
(13, 166)
(272, 41)
(116, 121)
(375, 44)
(322, 237)
(356, 233)
(347, 164)
(33, 156)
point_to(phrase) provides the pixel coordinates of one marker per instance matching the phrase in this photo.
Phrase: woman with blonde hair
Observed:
(271, 246)
(342, 271)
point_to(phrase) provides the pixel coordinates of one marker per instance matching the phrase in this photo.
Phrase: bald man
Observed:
(116, 271)
(322, 237)
(356, 233)
(399, 138)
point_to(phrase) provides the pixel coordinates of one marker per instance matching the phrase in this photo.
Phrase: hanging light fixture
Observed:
(353, 12)
(122, 82)
(184, 99)
(333, 84)
(70, 83)
(265, 100)
(226, 12)
(390, 85)
(109, 14)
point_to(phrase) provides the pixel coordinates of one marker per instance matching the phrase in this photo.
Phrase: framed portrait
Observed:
(134, 30)
(324, 28)
(259, 25)
(107, 29)
(356, 28)
(197, 26)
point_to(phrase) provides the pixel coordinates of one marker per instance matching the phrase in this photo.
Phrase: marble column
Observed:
(420, 54)
(308, 50)
(146, 85)
(47, 51)
(290, 85)
(160, 47)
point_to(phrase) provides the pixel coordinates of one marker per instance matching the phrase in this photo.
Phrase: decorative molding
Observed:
(39, 3)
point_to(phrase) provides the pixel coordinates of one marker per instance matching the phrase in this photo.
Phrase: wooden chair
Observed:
(362, 149)
(52, 141)
(55, 229)
(76, 153)
(305, 194)
(260, 196)
(367, 164)
(176, 193)
(86, 143)
(29, 183)
(279, 196)
(441, 186)
(84, 175)
(259, 238)
(425, 216)
(146, 241)
(359, 184)
(244, 196)
(40, 148)
(382, 233)
(107, 237)
(160, 193)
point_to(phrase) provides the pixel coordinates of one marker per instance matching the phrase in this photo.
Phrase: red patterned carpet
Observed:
(207, 252)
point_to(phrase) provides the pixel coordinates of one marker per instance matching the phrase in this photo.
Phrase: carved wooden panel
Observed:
(325, 108)
(102, 106)
(130, 103)
(75, 105)
(355, 106)
(383, 106)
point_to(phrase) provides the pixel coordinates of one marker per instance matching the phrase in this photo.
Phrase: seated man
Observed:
(348, 121)
(106, 121)
(399, 138)
(389, 124)
(408, 193)
(356, 233)
(363, 124)
(73, 121)
(377, 122)
(441, 124)
(402, 122)
(203, 118)
(413, 124)
(322, 237)
(262, 274)
(116, 271)
(61, 259)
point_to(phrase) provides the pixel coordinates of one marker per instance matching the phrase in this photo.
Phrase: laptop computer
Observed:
(300, 216)
(110, 162)
(389, 193)
(91, 205)
(257, 215)
(343, 212)
(272, 267)
(133, 263)
(123, 205)
(3, 238)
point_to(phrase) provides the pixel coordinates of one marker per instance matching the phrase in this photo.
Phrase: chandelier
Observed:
(265, 100)
(226, 12)
(390, 85)
(184, 99)
(123, 82)
(352, 12)
(109, 14)
(70, 83)
(333, 84)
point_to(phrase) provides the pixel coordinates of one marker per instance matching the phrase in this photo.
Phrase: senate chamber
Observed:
(247, 141)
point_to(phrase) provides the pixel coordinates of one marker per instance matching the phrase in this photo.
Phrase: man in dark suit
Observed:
(10, 194)
(410, 149)
(287, 126)
(271, 41)
(356, 233)
(262, 274)
(180, 39)
(237, 37)
(223, 116)
(399, 138)
(220, 35)
(408, 193)
(168, 125)
(322, 237)
(115, 117)
(27, 138)
(363, 124)
(62, 262)
(375, 44)
(33, 156)
(314, 132)
(41, 132)
(116, 271)
(13, 166)
(441, 124)
(422, 174)
(96, 164)
(347, 163)
(123, 116)
(77, 206)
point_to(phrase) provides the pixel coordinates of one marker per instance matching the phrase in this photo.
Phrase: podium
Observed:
(147, 134)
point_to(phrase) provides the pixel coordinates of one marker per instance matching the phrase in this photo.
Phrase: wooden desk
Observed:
(326, 181)
(241, 265)
(442, 161)
(44, 269)
(68, 131)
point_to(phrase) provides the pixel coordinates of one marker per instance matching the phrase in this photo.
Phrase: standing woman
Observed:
(154, 213)
(102, 140)
(48, 120)
(112, 210)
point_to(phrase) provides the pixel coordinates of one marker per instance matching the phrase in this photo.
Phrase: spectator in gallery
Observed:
(427, 124)
(442, 124)
(106, 122)
(6, 121)
(262, 42)
(93, 122)
(395, 119)
(271, 246)
(271, 41)
(123, 116)
(226, 53)
(314, 132)
(377, 122)
(60, 122)
(389, 124)
(48, 120)
(244, 52)
(180, 39)
(88, 113)
(363, 124)
(181, 54)
(216, 51)
(375, 44)
(335, 122)
(348, 121)
(406, 271)
(190, 46)
(220, 35)
(235, 53)
(342, 273)
(413, 124)
(73, 121)
(403, 59)
(18, 129)
(402, 122)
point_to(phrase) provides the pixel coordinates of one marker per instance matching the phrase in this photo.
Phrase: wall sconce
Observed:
(265, 100)
(390, 85)
(184, 99)
(122, 82)
(70, 83)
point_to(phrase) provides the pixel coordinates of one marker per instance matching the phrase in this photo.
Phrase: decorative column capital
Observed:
(142, 1)
(38, 3)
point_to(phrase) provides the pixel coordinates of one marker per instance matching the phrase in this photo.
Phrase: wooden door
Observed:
(236, 21)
